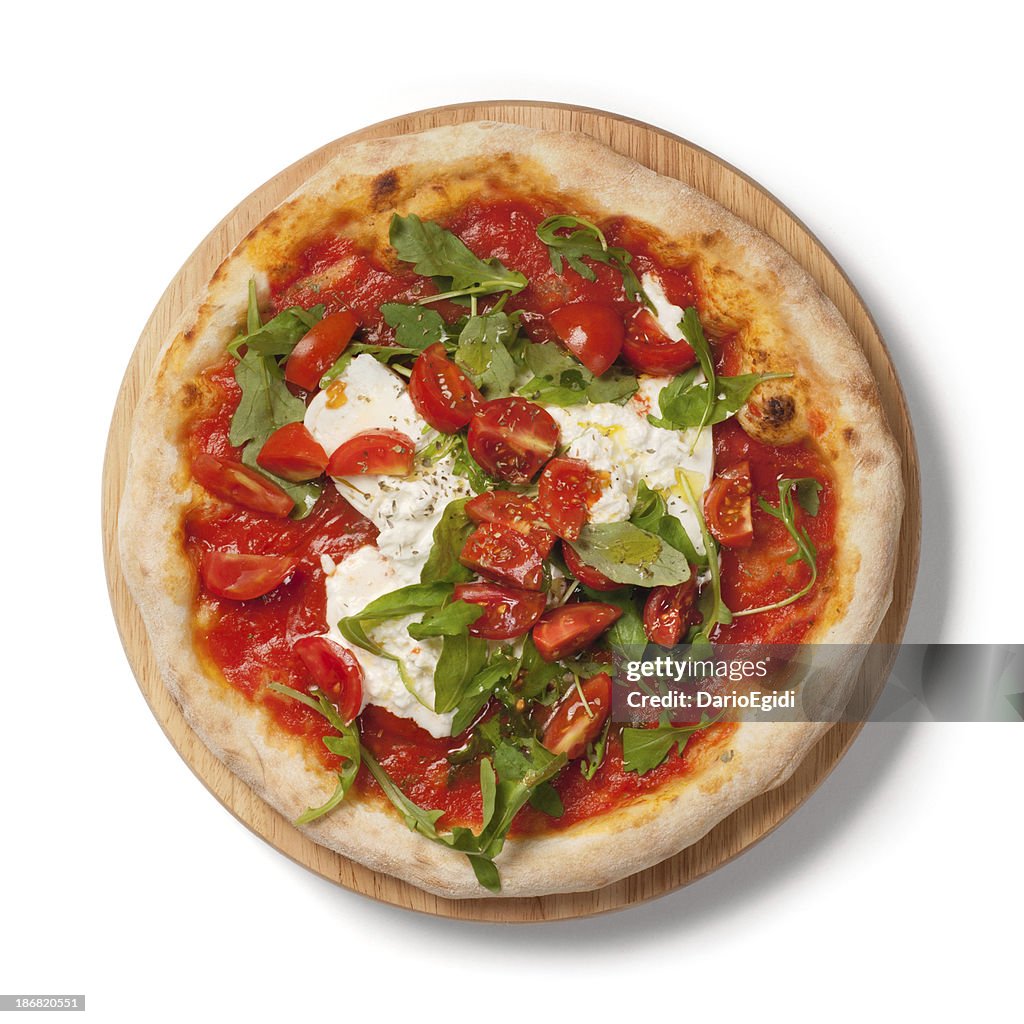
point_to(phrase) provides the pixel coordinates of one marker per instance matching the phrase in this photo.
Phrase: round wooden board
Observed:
(669, 155)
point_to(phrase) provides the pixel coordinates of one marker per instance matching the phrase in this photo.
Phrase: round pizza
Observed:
(470, 412)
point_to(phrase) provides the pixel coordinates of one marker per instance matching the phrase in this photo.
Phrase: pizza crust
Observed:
(751, 283)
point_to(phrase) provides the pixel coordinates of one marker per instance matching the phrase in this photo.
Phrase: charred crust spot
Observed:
(779, 410)
(382, 188)
(190, 395)
(189, 334)
(849, 435)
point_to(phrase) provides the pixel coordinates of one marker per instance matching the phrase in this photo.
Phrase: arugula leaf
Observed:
(683, 403)
(627, 633)
(462, 657)
(465, 465)
(416, 328)
(449, 620)
(382, 353)
(545, 799)
(439, 254)
(502, 799)
(483, 353)
(806, 490)
(593, 758)
(500, 668)
(558, 379)
(626, 554)
(644, 749)
(278, 336)
(345, 745)
(536, 675)
(266, 405)
(650, 513)
(410, 600)
(588, 241)
(710, 603)
(450, 535)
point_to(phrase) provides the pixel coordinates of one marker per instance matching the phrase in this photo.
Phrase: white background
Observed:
(892, 130)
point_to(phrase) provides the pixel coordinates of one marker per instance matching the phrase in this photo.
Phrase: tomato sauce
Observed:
(251, 642)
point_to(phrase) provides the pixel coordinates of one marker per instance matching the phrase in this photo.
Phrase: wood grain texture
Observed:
(668, 155)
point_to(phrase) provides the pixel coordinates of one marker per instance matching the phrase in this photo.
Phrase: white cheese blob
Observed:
(360, 578)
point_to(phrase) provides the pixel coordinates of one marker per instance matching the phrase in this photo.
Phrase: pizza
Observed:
(472, 410)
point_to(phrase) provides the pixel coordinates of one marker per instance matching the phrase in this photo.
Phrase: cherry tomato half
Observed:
(442, 394)
(592, 331)
(667, 612)
(291, 452)
(335, 670)
(576, 724)
(318, 349)
(505, 556)
(727, 506)
(587, 574)
(566, 490)
(373, 453)
(563, 632)
(512, 438)
(649, 349)
(508, 612)
(515, 512)
(243, 577)
(244, 486)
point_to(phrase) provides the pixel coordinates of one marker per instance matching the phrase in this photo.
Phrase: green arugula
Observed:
(437, 253)
(500, 668)
(465, 465)
(710, 603)
(650, 513)
(462, 658)
(627, 554)
(644, 749)
(503, 795)
(806, 491)
(450, 535)
(279, 335)
(558, 379)
(410, 600)
(684, 402)
(266, 404)
(588, 241)
(416, 328)
(345, 745)
(627, 632)
(448, 620)
(593, 757)
(483, 352)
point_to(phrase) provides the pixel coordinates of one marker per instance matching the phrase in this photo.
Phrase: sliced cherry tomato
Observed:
(373, 453)
(291, 452)
(512, 438)
(508, 612)
(649, 349)
(443, 395)
(592, 331)
(515, 512)
(243, 577)
(667, 612)
(505, 556)
(587, 574)
(576, 723)
(563, 632)
(244, 486)
(335, 670)
(566, 490)
(727, 506)
(318, 349)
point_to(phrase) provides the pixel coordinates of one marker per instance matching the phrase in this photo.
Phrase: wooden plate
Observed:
(669, 155)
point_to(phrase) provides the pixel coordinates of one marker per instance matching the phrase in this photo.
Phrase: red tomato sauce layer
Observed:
(251, 642)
